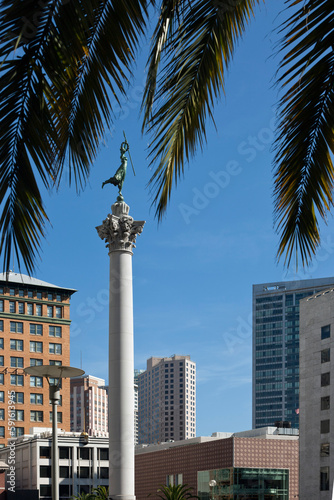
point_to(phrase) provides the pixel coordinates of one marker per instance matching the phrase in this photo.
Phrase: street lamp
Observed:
(58, 372)
(212, 484)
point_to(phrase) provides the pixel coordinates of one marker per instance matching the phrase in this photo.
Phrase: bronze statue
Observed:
(118, 178)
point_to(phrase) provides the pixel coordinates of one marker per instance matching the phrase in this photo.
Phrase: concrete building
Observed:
(34, 330)
(167, 400)
(317, 396)
(83, 463)
(261, 464)
(89, 405)
(276, 349)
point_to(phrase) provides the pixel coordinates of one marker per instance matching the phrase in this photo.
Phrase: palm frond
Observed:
(194, 58)
(59, 60)
(304, 176)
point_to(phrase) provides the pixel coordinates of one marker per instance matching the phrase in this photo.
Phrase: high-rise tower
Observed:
(167, 400)
(276, 349)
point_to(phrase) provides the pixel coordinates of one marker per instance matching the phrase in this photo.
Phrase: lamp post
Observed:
(58, 372)
(212, 484)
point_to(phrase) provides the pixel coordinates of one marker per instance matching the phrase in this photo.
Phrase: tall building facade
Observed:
(276, 349)
(167, 400)
(316, 430)
(89, 406)
(34, 330)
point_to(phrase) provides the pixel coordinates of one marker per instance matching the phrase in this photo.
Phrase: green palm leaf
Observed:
(304, 176)
(176, 492)
(59, 61)
(193, 50)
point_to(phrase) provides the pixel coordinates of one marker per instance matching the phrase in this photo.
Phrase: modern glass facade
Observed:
(276, 349)
(237, 483)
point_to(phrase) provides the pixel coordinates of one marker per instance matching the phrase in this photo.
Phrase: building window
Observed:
(59, 417)
(325, 355)
(19, 415)
(64, 471)
(1, 325)
(16, 345)
(58, 311)
(36, 399)
(2, 396)
(1, 305)
(36, 381)
(16, 362)
(2, 378)
(84, 453)
(16, 327)
(103, 472)
(30, 309)
(36, 362)
(21, 307)
(38, 310)
(36, 329)
(103, 453)
(16, 379)
(2, 414)
(21, 292)
(18, 397)
(324, 478)
(49, 311)
(2, 431)
(36, 346)
(50, 296)
(325, 332)
(45, 452)
(324, 450)
(45, 470)
(55, 331)
(45, 490)
(36, 416)
(1, 343)
(325, 379)
(1, 360)
(30, 294)
(55, 362)
(65, 452)
(325, 403)
(17, 431)
(324, 426)
(58, 297)
(83, 472)
(39, 295)
(12, 307)
(12, 291)
(55, 348)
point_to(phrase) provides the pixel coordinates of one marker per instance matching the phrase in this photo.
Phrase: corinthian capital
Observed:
(119, 230)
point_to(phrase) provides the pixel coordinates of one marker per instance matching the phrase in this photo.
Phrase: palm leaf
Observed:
(59, 61)
(304, 176)
(193, 55)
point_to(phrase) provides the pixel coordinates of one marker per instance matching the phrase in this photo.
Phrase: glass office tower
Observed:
(276, 349)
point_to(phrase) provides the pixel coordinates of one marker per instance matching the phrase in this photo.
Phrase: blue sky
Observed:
(193, 273)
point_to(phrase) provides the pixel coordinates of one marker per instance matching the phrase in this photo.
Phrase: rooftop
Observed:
(23, 279)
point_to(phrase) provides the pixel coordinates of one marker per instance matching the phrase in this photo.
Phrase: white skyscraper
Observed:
(167, 400)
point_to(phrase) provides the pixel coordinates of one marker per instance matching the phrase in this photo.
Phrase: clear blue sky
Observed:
(193, 273)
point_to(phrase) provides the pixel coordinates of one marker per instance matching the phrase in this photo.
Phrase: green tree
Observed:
(63, 59)
(179, 492)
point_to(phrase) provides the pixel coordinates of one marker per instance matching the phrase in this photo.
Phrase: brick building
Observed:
(34, 330)
(259, 464)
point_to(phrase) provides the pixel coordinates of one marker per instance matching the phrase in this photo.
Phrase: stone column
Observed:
(119, 231)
